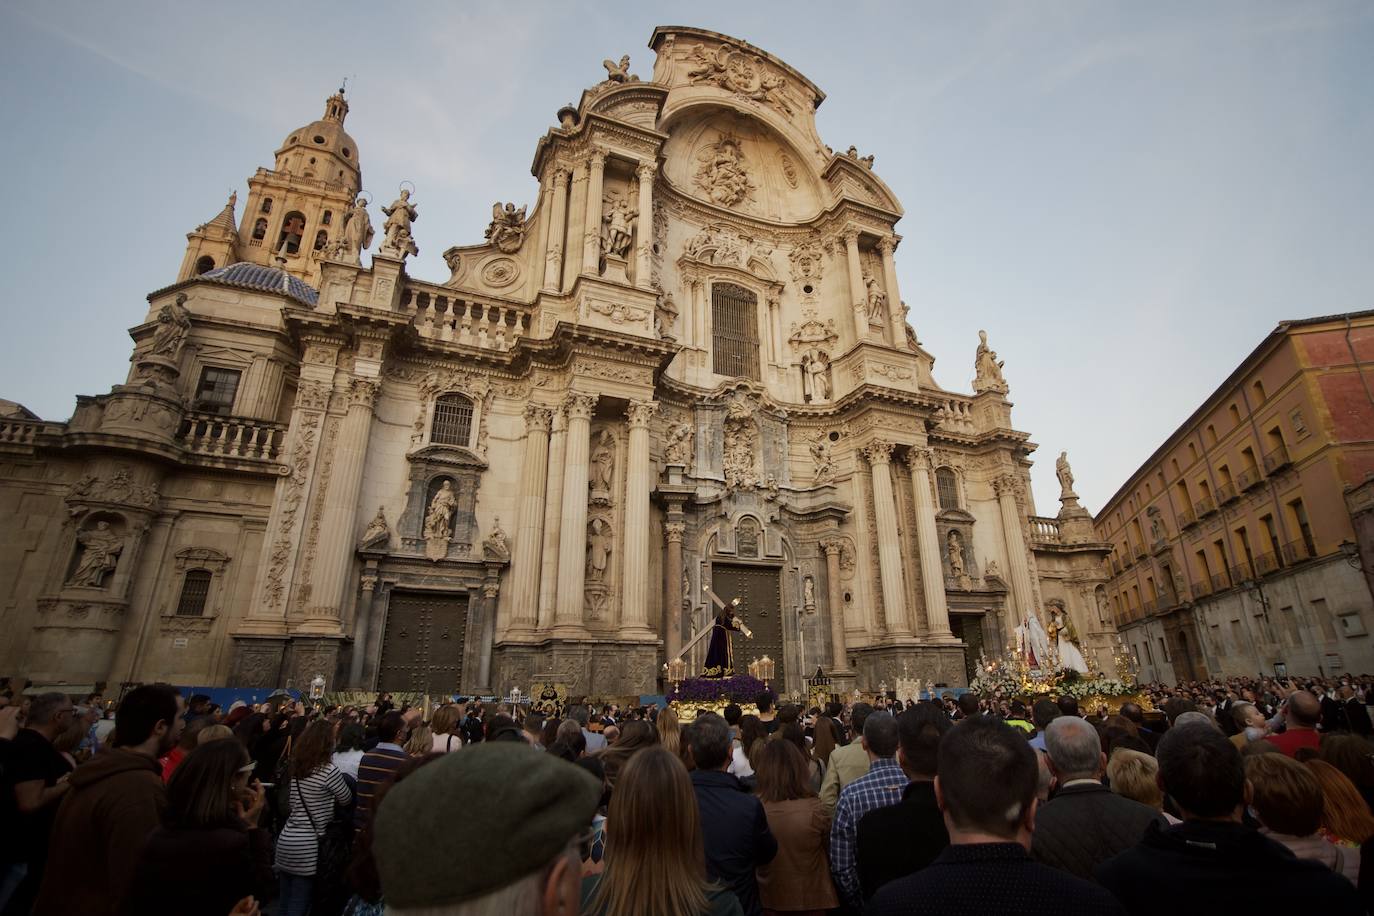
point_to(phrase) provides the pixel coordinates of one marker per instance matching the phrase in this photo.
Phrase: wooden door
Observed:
(760, 594)
(422, 648)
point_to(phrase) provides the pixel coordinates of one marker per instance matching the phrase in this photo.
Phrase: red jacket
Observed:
(1294, 738)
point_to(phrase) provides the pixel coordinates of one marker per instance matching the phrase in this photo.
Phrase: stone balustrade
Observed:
(19, 432)
(483, 323)
(215, 436)
(955, 415)
(1044, 530)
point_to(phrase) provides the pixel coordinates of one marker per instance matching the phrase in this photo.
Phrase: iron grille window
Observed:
(195, 588)
(948, 487)
(452, 420)
(734, 331)
(216, 391)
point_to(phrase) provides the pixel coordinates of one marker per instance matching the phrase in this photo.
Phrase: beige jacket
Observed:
(847, 764)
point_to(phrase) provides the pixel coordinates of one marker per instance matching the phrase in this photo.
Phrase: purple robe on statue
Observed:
(720, 657)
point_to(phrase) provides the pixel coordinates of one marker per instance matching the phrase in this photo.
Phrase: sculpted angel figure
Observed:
(507, 228)
(678, 449)
(173, 324)
(399, 218)
(820, 454)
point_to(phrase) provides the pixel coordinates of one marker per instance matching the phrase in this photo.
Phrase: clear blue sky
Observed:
(1127, 196)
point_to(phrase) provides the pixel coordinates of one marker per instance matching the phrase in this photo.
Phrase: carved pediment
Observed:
(743, 397)
(955, 515)
(454, 456)
(812, 332)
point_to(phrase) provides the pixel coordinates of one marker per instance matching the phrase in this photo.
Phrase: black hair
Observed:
(733, 714)
(988, 776)
(764, 701)
(880, 734)
(968, 705)
(140, 711)
(390, 727)
(709, 738)
(919, 731)
(1201, 770)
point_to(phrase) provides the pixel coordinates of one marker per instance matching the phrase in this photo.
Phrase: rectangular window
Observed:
(452, 420)
(1300, 516)
(216, 391)
(195, 588)
(1163, 650)
(734, 331)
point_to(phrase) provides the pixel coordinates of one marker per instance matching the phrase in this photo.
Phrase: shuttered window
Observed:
(452, 420)
(195, 588)
(735, 331)
(948, 487)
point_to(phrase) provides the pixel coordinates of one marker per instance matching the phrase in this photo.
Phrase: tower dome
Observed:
(322, 149)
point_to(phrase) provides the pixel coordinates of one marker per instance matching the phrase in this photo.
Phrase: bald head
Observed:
(1074, 747)
(1304, 710)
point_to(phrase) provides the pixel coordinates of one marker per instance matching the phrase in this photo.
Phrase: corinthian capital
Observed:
(538, 419)
(878, 452)
(833, 547)
(363, 391)
(646, 171)
(673, 531)
(920, 457)
(597, 159)
(1007, 485)
(579, 406)
(640, 413)
(886, 246)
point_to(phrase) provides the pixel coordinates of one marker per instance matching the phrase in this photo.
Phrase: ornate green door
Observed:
(422, 648)
(760, 608)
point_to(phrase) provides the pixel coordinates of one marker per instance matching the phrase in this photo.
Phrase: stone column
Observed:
(529, 528)
(591, 226)
(857, 294)
(576, 219)
(639, 480)
(572, 541)
(928, 545)
(879, 455)
(886, 247)
(490, 593)
(558, 218)
(839, 660)
(644, 228)
(331, 584)
(701, 317)
(362, 624)
(553, 518)
(672, 589)
(1022, 594)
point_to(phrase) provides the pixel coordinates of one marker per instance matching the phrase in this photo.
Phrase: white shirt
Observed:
(445, 743)
(347, 762)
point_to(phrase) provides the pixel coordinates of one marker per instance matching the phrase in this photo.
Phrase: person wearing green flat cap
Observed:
(494, 829)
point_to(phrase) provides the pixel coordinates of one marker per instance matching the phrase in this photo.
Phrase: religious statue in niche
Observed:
(399, 218)
(1065, 475)
(875, 298)
(809, 593)
(507, 228)
(987, 366)
(357, 233)
(1157, 532)
(821, 455)
(816, 376)
(100, 549)
(495, 547)
(602, 471)
(722, 173)
(1102, 609)
(741, 440)
(619, 226)
(955, 551)
(439, 517)
(678, 449)
(378, 533)
(599, 548)
(665, 317)
(173, 324)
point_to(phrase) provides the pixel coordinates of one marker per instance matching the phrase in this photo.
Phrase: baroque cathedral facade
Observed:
(684, 371)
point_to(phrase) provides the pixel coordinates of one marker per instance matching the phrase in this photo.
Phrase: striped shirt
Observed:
(375, 770)
(310, 803)
(883, 786)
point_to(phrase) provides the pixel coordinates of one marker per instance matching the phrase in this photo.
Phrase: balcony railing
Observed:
(487, 324)
(1249, 478)
(1226, 493)
(1186, 518)
(19, 432)
(1044, 530)
(1204, 507)
(215, 436)
(1296, 552)
(1266, 563)
(1276, 459)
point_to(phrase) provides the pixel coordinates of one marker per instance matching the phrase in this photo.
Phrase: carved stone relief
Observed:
(741, 446)
(746, 75)
(600, 546)
(507, 228)
(679, 446)
(723, 174)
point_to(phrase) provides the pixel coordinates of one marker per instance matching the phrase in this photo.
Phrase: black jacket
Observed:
(1085, 825)
(1222, 867)
(983, 878)
(736, 832)
(895, 841)
(194, 872)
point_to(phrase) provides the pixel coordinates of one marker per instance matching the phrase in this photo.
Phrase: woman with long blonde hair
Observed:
(669, 731)
(655, 858)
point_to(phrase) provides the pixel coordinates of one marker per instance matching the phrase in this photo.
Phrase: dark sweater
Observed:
(899, 839)
(736, 832)
(172, 878)
(1085, 825)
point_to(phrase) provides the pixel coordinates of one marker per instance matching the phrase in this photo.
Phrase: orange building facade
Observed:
(1235, 545)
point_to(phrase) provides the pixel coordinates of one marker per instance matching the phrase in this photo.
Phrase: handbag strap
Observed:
(308, 816)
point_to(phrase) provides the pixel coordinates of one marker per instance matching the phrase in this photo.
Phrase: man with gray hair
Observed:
(883, 786)
(1084, 824)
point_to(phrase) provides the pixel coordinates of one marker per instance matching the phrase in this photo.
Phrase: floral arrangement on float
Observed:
(1014, 676)
(692, 696)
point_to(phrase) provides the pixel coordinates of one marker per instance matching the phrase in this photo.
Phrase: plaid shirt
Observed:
(882, 786)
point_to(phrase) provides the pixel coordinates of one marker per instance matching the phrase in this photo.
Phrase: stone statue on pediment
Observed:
(619, 72)
(496, 547)
(400, 216)
(357, 233)
(173, 324)
(507, 228)
(378, 533)
(987, 366)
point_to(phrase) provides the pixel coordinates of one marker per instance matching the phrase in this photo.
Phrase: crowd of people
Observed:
(1249, 794)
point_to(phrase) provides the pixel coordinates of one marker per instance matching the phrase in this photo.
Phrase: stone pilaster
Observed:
(673, 531)
(839, 659)
(886, 247)
(1023, 596)
(572, 541)
(331, 582)
(553, 520)
(928, 545)
(644, 231)
(555, 238)
(879, 455)
(857, 294)
(362, 627)
(529, 530)
(591, 226)
(639, 480)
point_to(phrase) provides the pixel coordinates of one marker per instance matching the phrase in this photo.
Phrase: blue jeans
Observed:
(295, 894)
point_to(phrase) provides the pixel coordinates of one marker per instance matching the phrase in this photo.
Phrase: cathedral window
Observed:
(292, 228)
(327, 217)
(216, 391)
(267, 205)
(735, 332)
(452, 421)
(947, 486)
(321, 239)
(195, 589)
(260, 229)
(204, 264)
